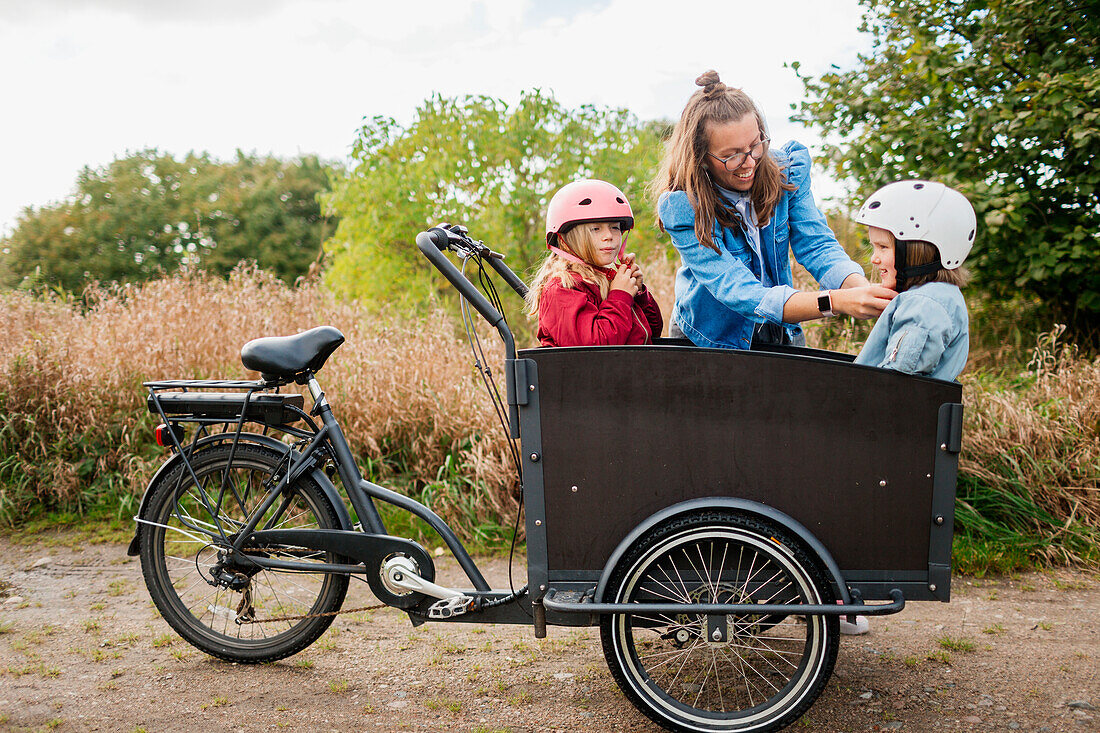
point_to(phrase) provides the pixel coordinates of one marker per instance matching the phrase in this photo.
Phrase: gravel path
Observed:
(81, 648)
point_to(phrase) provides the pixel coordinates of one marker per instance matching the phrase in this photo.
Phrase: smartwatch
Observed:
(825, 303)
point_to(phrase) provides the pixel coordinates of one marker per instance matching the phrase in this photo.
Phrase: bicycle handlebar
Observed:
(431, 244)
(507, 275)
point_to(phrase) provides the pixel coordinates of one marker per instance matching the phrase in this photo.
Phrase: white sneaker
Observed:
(861, 626)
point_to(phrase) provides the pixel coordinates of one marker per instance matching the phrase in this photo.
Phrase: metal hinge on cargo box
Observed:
(939, 581)
(519, 376)
(951, 427)
(517, 380)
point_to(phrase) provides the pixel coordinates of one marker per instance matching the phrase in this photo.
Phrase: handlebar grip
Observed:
(428, 243)
(509, 277)
(438, 237)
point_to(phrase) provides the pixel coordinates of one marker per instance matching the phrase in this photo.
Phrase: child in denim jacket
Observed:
(921, 233)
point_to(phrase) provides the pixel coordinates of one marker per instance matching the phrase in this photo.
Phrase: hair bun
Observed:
(712, 85)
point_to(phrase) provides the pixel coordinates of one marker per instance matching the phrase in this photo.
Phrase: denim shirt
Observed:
(721, 296)
(925, 330)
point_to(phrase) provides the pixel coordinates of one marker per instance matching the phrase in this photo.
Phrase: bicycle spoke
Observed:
(180, 573)
(679, 670)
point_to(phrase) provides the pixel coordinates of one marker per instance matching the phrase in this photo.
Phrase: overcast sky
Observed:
(85, 81)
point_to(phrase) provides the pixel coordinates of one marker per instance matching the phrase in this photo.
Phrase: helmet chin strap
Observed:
(578, 261)
(566, 255)
(905, 272)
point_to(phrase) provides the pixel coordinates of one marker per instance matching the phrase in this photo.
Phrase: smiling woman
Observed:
(735, 209)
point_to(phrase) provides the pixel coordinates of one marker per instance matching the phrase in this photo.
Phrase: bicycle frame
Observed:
(328, 442)
(368, 543)
(325, 442)
(738, 559)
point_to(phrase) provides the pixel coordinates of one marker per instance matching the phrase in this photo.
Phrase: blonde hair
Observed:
(578, 241)
(919, 252)
(683, 166)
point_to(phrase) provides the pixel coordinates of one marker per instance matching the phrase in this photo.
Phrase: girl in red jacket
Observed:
(581, 296)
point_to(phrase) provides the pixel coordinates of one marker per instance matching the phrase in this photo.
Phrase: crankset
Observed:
(372, 551)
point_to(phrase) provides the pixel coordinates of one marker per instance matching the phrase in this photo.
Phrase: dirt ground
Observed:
(81, 648)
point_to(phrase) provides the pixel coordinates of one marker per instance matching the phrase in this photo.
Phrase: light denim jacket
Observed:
(925, 330)
(719, 295)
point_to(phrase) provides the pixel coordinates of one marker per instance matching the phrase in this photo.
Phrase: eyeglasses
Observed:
(736, 160)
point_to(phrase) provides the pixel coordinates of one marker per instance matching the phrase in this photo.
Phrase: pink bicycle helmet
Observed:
(586, 200)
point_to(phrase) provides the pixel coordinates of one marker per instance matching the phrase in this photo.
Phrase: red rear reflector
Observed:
(164, 438)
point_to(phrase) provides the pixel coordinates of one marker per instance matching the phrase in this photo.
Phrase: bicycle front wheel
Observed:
(725, 673)
(179, 558)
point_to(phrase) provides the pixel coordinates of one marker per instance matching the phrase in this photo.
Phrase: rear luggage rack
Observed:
(269, 409)
(174, 400)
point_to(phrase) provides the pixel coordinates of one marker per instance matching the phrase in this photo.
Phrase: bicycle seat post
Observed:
(315, 391)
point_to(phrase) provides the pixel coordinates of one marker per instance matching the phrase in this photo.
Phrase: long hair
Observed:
(683, 166)
(579, 241)
(919, 252)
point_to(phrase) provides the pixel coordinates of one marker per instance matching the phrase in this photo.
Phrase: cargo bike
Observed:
(713, 512)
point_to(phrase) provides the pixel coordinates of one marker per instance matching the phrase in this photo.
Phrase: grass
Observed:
(40, 669)
(941, 656)
(453, 706)
(75, 437)
(1030, 468)
(76, 446)
(1069, 585)
(520, 698)
(955, 645)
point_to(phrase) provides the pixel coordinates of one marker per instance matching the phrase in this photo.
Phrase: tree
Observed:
(148, 213)
(1000, 98)
(478, 162)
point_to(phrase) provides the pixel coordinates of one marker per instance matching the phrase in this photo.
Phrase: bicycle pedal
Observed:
(451, 607)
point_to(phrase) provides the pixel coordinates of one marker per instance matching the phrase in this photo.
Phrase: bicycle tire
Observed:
(176, 559)
(766, 672)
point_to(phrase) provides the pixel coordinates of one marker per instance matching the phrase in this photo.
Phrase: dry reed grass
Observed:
(70, 380)
(1040, 438)
(660, 279)
(72, 407)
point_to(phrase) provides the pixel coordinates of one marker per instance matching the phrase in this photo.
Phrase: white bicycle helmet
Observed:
(926, 211)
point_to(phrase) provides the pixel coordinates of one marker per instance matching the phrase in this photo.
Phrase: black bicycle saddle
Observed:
(284, 357)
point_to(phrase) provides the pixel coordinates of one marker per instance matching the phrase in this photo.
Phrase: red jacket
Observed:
(577, 317)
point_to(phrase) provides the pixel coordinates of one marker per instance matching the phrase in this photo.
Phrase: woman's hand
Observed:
(867, 301)
(625, 279)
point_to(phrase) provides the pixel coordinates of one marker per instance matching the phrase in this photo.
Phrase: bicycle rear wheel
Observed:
(178, 560)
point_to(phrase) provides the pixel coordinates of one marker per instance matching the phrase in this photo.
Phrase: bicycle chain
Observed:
(246, 613)
(246, 619)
